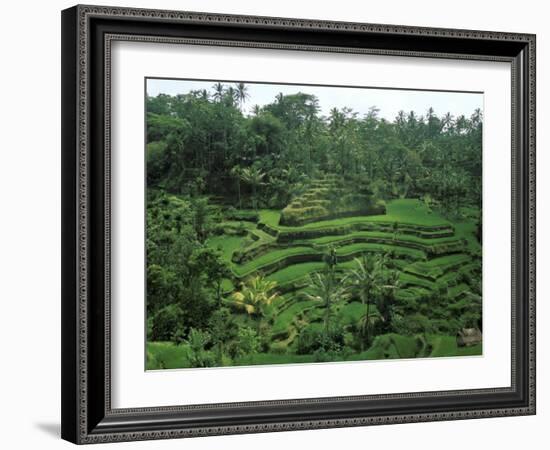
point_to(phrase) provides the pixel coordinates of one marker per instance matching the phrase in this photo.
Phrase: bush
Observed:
(240, 215)
(296, 216)
(310, 340)
(166, 323)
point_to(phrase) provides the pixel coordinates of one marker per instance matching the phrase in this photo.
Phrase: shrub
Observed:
(310, 340)
(295, 216)
(313, 340)
(165, 323)
(240, 215)
(247, 342)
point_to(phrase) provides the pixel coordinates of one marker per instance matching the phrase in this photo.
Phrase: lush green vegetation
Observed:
(284, 236)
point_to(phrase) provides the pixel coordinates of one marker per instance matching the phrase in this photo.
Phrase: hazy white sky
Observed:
(389, 101)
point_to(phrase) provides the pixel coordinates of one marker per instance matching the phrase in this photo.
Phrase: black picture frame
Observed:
(87, 416)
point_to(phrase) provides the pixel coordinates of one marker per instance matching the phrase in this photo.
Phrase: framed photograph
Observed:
(280, 224)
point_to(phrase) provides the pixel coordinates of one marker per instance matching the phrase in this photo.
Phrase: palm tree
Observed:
(256, 109)
(255, 296)
(447, 122)
(218, 92)
(362, 281)
(400, 119)
(204, 94)
(231, 96)
(242, 93)
(366, 323)
(386, 294)
(324, 290)
(365, 281)
(236, 173)
(461, 124)
(253, 177)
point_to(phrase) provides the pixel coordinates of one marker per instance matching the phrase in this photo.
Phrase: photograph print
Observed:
(301, 224)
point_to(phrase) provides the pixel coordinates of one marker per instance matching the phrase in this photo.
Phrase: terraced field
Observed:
(433, 257)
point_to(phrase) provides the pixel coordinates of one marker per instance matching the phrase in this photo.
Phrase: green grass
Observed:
(298, 272)
(351, 313)
(285, 319)
(227, 285)
(399, 238)
(271, 258)
(408, 279)
(349, 251)
(390, 346)
(446, 346)
(404, 211)
(270, 217)
(456, 291)
(295, 272)
(166, 355)
(352, 249)
(262, 238)
(437, 267)
(227, 245)
(274, 358)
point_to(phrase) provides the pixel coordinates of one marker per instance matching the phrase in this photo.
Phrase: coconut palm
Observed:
(218, 92)
(326, 291)
(242, 93)
(386, 290)
(253, 177)
(366, 323)
(256, 109)
(204, 94)
(255, 296)
(447, 121)
(362, 282)
(231, 96)
(236, 173)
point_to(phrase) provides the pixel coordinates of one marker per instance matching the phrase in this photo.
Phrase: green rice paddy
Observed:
(431, 254)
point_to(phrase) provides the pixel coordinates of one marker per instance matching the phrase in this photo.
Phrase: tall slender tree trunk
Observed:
(367, 323)
(254, 199)
(239, 193)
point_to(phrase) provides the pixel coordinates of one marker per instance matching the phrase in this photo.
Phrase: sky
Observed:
(360, 99)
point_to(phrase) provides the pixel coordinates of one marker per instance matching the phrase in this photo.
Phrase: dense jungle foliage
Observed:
(276, 234)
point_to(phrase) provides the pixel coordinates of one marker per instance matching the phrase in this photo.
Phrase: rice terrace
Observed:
(303, 224)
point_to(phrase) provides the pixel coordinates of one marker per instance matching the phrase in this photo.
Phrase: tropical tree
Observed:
(256, 109)
(366, 323)
(218, 92)
(202, 218)
(324, 289)
(197, 342)
(214, 269)
(242, 93)
(204, 94)
(362, 282)
(253, 177)
(223, 329)
(231, 96)
(447, 122)
(256, 296)
(236, 172)
(385, 298)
